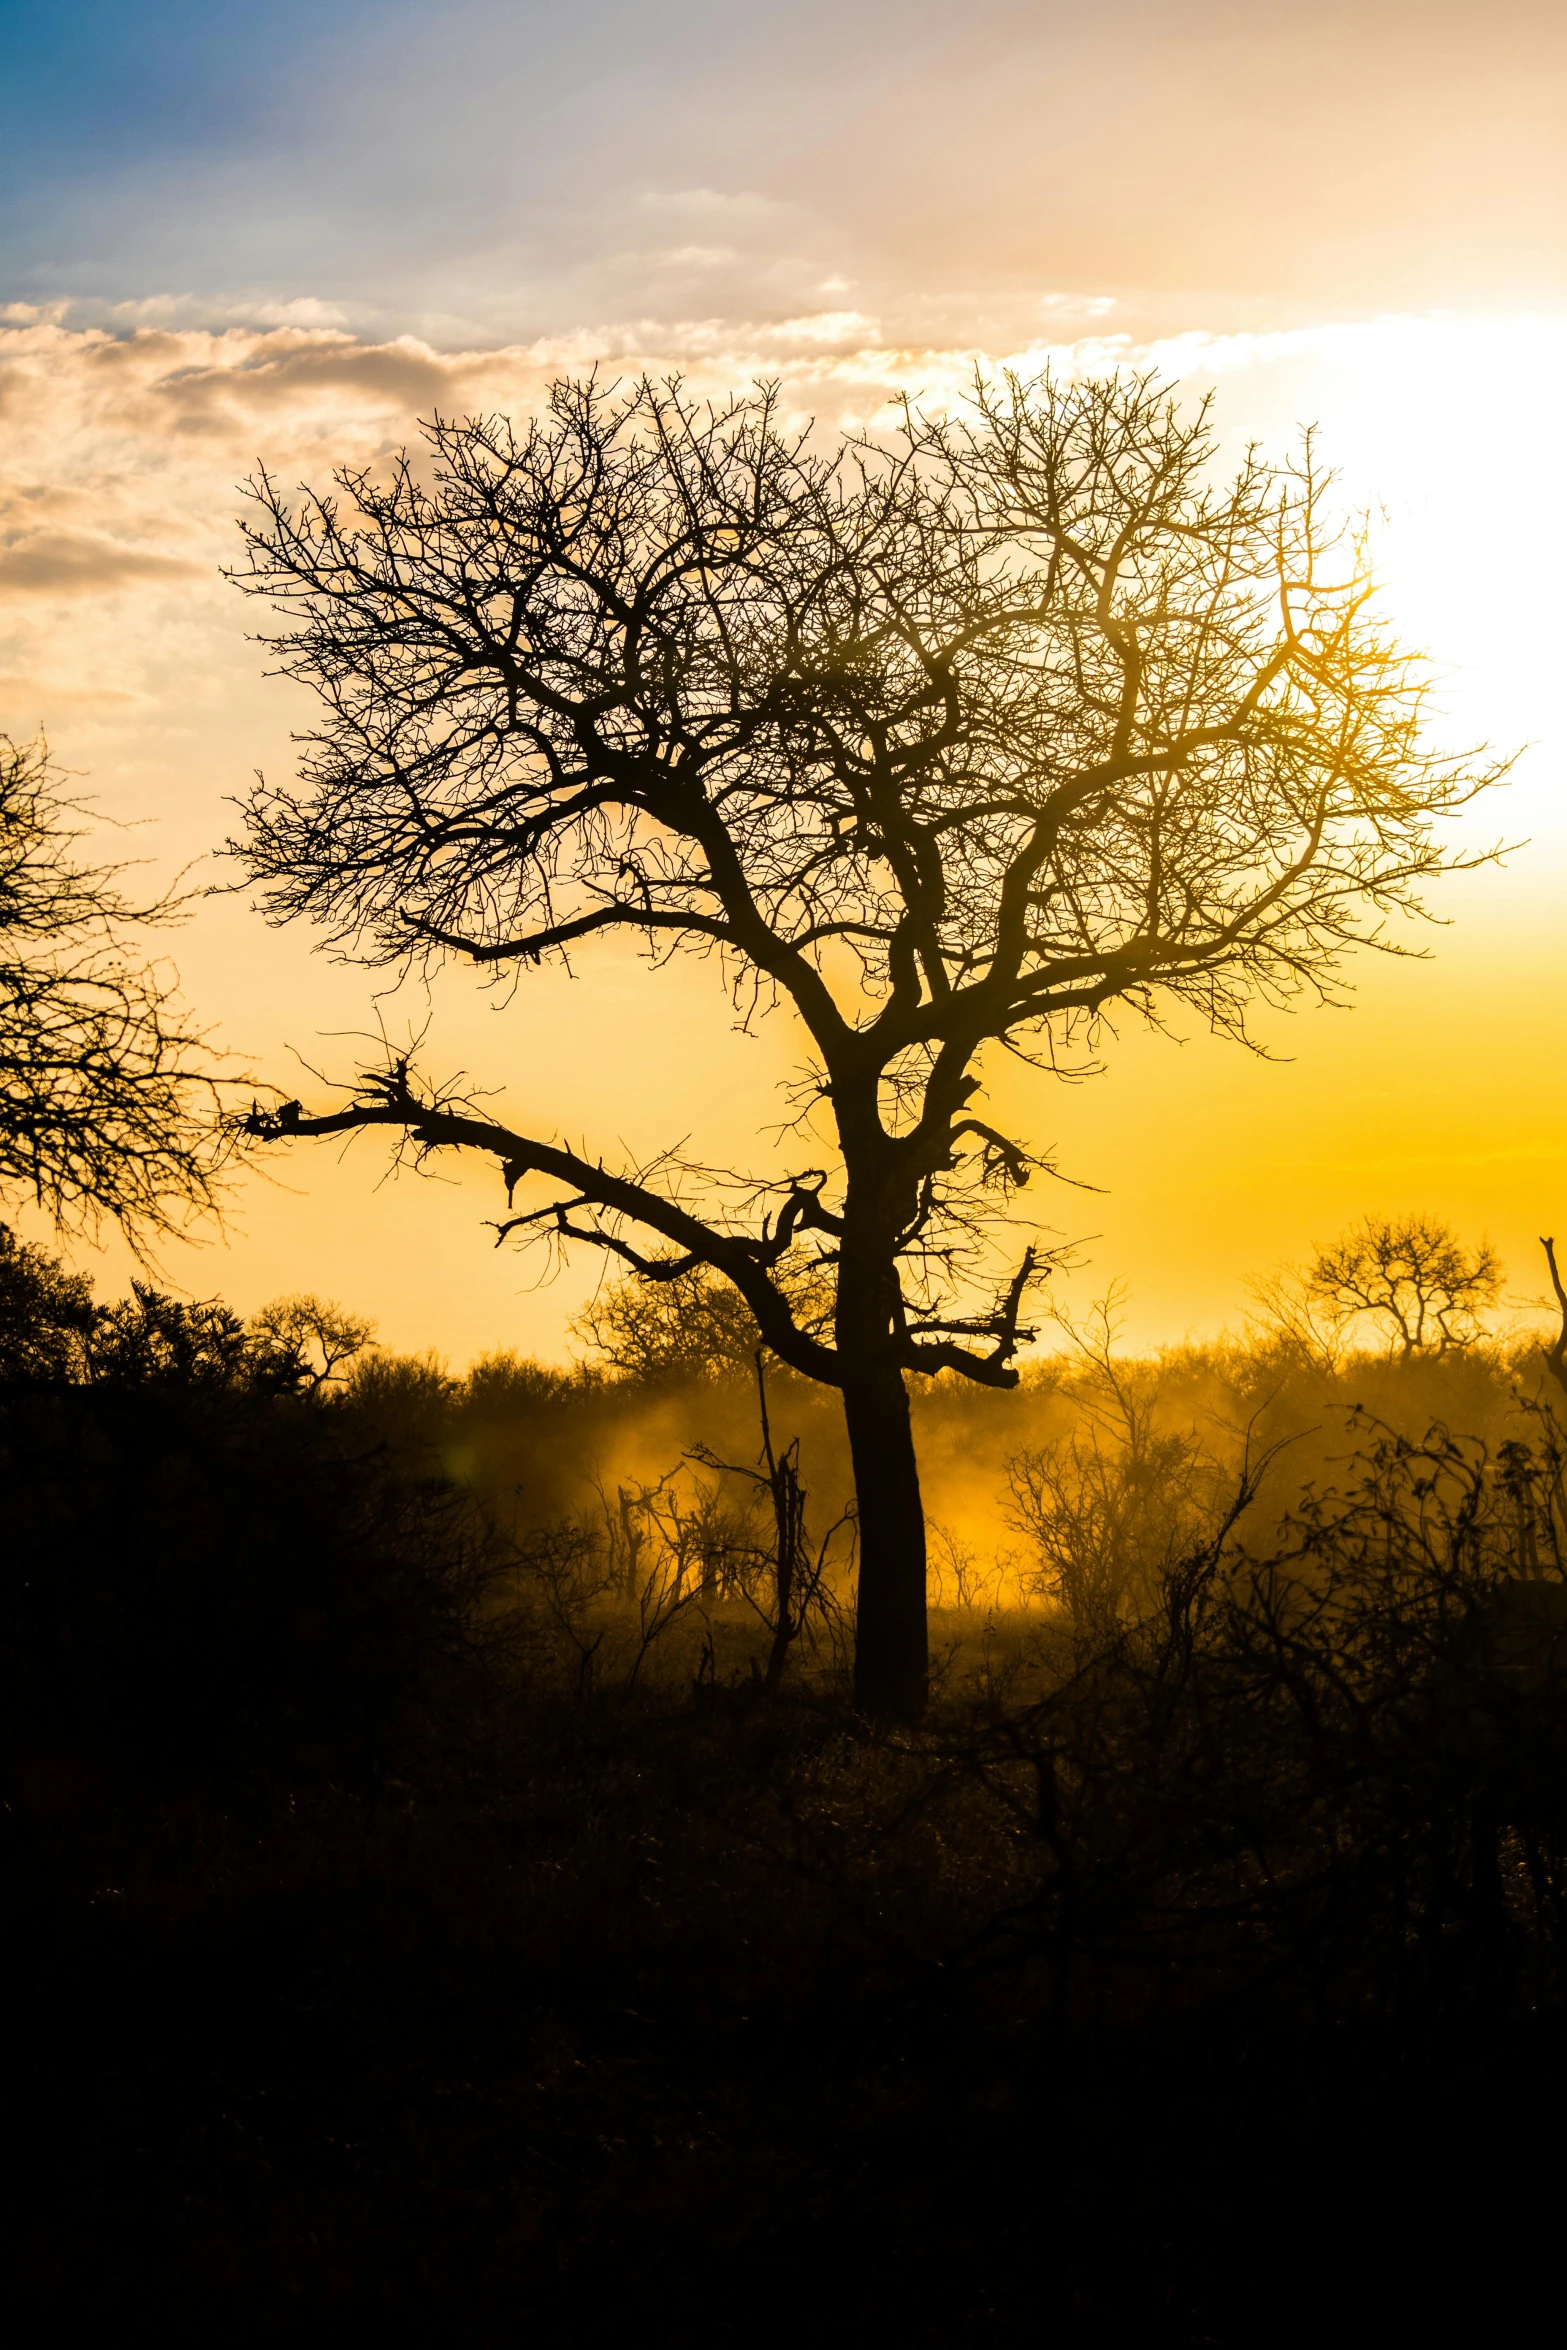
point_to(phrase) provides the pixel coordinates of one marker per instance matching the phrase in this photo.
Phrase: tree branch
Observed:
(393, 1104)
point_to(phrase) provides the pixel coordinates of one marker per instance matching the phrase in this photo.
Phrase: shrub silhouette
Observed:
(200, 1571)
(195, 1579)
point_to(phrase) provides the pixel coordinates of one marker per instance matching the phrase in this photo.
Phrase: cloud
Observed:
(21, 694)
(714, 204)
(196, 310)
(1063, 306)
(75, 565)
(694, 256)
(124, 449)
(289, 372)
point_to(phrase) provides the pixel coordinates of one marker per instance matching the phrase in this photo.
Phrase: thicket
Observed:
(453, 1889)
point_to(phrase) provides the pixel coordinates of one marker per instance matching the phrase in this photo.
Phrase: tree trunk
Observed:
(890, 1649)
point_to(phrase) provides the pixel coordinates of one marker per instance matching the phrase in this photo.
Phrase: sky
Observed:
(240, 233)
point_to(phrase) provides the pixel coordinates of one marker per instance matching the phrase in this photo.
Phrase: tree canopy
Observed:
(1411, 1280)
(110, 1103)
(953, 737)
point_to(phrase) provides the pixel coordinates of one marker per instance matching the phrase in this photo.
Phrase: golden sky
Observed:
(1346, 216)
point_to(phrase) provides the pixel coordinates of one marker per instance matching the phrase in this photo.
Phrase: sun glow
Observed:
(1446, 433)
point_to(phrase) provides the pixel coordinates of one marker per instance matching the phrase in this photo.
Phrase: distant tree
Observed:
(1111, 1509)
(690, 1323)
(950, 740)
(508, 1386)
(291, 1347)
(152, 1340)
(1292, 1319)
(305, 1341)
(51, 1331)
(401, 1401)
(1411, 1279)
(109, 1104)
(46, 1314)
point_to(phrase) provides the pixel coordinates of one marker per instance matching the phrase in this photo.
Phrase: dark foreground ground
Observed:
(484, 2071)
(390, 1952)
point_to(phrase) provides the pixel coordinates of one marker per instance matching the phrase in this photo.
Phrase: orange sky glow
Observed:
(1380, 254)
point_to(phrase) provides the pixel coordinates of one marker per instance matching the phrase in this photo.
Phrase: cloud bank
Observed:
(124, 449)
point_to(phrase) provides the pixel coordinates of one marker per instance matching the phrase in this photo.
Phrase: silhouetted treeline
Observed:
(433, 1910)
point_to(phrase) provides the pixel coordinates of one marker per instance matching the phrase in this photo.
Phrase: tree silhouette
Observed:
(304, 1341)
(108, 1103)
(690, 1324)
(1412, 1278)
(950, 739)
(46, 1314)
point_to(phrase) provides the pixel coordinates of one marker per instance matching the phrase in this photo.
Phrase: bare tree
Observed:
(1412, 1279)
(307, 1340)
(109, 1104)
(798, 1578)
(692, 1324)
(1111, 1510)
(1292, 1316)
(949, 740)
